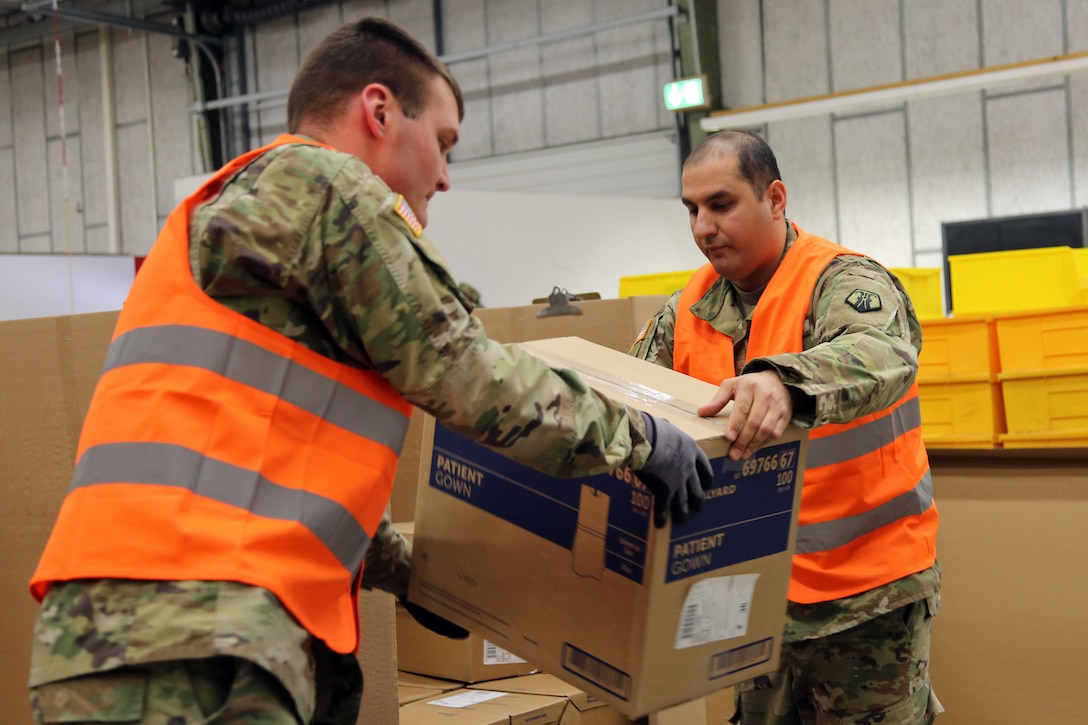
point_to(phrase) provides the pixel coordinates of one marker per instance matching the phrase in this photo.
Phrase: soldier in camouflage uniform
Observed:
(856, 659)
(324, 245)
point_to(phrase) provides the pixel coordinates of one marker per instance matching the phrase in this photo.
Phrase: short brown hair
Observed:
(755, 159)
(370, 50)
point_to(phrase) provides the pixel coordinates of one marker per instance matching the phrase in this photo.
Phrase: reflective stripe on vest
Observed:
(843, 544)
(215, 448)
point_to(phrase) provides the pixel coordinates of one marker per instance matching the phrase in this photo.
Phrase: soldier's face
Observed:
(742, 235)
(419, 148)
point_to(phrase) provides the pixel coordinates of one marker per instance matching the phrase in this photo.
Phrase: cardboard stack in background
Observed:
(570, 574)
(48, 370)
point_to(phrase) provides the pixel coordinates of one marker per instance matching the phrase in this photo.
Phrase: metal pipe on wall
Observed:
(151, 156)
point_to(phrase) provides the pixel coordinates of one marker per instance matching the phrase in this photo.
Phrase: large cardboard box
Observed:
(582, 708)
(571, 575)
(412, 687)
(48, 370)
(612, 323)
(484, 707)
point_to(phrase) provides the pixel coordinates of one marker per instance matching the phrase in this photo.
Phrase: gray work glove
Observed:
(676, 472)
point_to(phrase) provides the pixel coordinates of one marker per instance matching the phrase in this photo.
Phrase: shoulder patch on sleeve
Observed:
(405, 212)
(864, 301)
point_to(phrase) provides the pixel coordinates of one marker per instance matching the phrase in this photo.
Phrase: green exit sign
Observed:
(686, 94)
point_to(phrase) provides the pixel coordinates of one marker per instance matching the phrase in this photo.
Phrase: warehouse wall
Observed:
(882, 181)
(584, 115)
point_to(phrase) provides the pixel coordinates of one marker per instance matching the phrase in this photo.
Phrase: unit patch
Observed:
(864, 301)
(405, 212)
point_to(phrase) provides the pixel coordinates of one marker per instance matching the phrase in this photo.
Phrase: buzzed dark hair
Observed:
(370, 50)
(756, 161)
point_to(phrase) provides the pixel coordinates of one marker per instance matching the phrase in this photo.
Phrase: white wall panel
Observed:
(66, 220)
(415, 16)
(630, 92)
(871, 167)
(940, 36)
(470, 33)
(277, 60)
(516, 90)
(92, 149)
(1078, 99)
(796, 52)
(171, 120)
(138, 227)
(805, 159)
(1076, 18)
(355, 9)
(32, 190)
(128, 77)
(1013, 32)
(571, 98)
(740, 53)
(70, 78)
(645, 166)
(36, 244)
(98, 239)
(1028, 142)
(9, 233)
(315, 24)
(947, 165)
(5, 101)
(866, 49)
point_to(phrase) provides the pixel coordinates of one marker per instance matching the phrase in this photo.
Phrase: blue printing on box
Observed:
(746, 515)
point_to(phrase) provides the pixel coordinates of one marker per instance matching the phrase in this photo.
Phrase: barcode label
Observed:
(716, 609)
(596, 671)
(496, 655)
(734, 660)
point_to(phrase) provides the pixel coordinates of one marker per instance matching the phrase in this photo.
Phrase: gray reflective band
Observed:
(252, 365)
(872, 436)
(164, 464)
(833, 534)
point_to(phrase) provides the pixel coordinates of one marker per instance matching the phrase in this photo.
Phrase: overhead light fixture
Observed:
(863, 98)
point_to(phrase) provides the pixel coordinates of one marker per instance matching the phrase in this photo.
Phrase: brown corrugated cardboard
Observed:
(484, 707)
(473, 659)
(570, 573)
(412, 687)
(612, 323)
(49, 367)
(584, 709)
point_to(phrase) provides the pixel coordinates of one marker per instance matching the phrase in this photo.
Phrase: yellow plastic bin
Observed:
(962, 411)
(1041, 340)
(1046, 401)
(923, 284)
(1014, 280)
(958, 346)
(664, 283)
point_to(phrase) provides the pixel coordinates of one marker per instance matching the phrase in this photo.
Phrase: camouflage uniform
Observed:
(853, 363)
(291, 242)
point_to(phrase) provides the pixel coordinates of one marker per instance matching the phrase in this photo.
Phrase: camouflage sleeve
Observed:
(861, 344)
(388, 561)
(311, 243)
(401, 309)
(654, 343)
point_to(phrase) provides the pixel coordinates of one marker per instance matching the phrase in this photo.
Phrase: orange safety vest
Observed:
(867, 513)
(215, 448)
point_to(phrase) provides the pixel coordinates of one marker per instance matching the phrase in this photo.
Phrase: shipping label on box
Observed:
(571, 574)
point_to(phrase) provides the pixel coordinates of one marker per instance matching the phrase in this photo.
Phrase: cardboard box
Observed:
(49, 367)
(612, 323)
(484, 707)
(472, 659)
(412, 687)
(582, 708)
(570, 574)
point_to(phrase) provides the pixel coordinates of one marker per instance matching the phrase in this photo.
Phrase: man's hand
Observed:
(762, 408)
(676, 472)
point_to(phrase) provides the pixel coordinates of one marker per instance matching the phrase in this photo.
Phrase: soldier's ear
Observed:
(377, 102)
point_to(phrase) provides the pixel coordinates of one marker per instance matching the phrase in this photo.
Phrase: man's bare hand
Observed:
(762, 409)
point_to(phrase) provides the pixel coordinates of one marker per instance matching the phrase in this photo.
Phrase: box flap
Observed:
(484, 707)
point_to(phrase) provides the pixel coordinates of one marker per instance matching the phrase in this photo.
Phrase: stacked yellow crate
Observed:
(664, 283)
(1044, 377)
(958, 383)
(923, 285)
